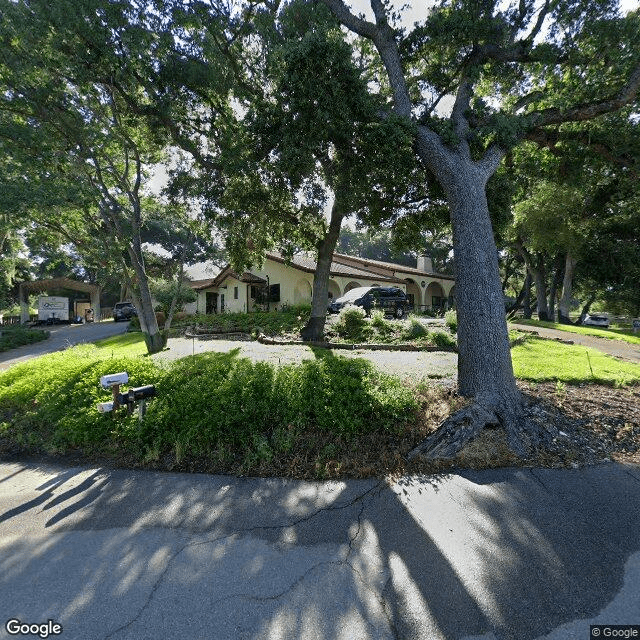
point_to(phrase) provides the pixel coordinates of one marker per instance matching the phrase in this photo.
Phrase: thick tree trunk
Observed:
(540, 281)
(176, 295)
(485, 372)
(314, 330)
(484, 360)
(148, 322)
(567, 283)
(524, 291)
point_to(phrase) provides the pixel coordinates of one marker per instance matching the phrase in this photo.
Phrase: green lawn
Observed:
(625, 335)
(124, 345)
(539, 360)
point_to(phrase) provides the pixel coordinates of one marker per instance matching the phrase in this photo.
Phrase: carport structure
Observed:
(38, 286)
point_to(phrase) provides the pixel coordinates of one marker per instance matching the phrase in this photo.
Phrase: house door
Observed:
(211, 305)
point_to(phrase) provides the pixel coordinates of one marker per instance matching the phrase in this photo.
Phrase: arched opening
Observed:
(414, 294)
(351, 285)
(434, 297)
(334, 290)
(451, 303)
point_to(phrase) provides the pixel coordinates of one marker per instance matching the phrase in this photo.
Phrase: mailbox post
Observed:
(128, 398)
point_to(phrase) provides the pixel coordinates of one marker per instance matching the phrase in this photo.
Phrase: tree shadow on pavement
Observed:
(122, 554)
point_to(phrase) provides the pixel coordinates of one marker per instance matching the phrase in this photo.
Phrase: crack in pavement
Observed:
(249, 530)
(632, 475)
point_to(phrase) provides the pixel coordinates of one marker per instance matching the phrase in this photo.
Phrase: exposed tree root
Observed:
(523, 428)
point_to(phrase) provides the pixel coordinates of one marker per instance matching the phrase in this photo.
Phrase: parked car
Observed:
(391, 299)
(596, 321)
(124, 311)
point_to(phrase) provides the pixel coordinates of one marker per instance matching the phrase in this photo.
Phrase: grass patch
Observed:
(17, 336)
(625, 335)
(125, 345)
(540, 360)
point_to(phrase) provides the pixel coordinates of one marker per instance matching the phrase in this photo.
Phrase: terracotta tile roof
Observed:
(305, 263)
(393, 267)
(201, 284)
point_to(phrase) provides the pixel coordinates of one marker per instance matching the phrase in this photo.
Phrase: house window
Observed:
(274, 293)
(235, 293)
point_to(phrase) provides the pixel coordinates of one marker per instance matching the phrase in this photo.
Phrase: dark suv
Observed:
(391, 300)
(124, 311)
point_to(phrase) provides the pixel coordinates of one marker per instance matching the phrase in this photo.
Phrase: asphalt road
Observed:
(61, 337)
(491, 555)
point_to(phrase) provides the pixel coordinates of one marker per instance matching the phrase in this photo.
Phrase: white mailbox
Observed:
(105, 407)
(113, 379)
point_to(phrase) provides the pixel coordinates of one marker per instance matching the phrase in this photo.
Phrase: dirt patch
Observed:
(600, 423)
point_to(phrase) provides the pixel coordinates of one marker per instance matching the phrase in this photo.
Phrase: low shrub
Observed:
(383, 326)
(451, 320)
(414, 330)
(51, 401)
(287, 320)
(442, 339)
(12, 337)
(351, 323)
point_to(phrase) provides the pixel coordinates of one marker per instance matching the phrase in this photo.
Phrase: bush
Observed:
(289, 320)
(52, 400)
(351, 322)
(218, 399)
(13, 337)
(442, 339)
(381, 324)
(451, 320)
(414, 330)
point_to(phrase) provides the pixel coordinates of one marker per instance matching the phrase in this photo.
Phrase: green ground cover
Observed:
(625, 335)
(214, 404)
(17, 336)
(241, 416)
(288, 320)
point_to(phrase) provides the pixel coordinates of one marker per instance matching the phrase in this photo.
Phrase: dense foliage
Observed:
(11, 337)
(204, 403)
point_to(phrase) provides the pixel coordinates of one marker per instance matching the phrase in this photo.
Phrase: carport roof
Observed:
(59, 283)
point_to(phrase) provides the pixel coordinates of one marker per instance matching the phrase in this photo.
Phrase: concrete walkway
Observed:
(479, 555)
(618, 348)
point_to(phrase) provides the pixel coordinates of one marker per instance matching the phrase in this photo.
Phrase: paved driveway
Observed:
(487, 555)
(63, 336)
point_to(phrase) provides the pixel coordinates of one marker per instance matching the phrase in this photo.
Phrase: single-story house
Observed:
(279, 283)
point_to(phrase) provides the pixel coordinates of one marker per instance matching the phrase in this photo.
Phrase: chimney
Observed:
(425, 264)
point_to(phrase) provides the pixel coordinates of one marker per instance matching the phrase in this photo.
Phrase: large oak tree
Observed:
(515, 72)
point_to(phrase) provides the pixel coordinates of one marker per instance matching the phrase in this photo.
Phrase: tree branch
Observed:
(591, 110)
(353, 23)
